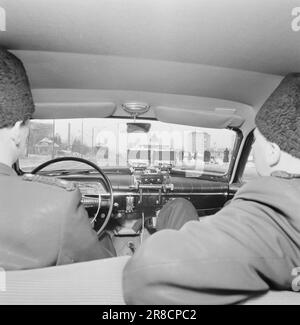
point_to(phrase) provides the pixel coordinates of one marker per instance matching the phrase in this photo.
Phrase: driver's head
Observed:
(277, 133)
(16, 107)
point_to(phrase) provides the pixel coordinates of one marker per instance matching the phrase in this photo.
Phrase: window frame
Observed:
(238, 177)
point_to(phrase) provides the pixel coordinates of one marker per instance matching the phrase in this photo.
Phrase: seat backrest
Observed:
(95, 282)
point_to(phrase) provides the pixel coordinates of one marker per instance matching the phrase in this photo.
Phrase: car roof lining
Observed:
(169, 108)
(111, 79)
(206, 49)
(84, 71)
(251, 35)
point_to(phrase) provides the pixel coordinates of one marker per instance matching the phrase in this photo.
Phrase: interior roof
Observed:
(83, 71)
(249, 35)
(232, 50)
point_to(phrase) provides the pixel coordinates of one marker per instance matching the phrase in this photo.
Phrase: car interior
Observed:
(139, 103)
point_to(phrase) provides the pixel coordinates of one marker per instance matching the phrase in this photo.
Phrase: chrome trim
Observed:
(165, 194)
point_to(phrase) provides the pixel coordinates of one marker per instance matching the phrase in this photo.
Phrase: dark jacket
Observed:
(43, 225)
(248, 247)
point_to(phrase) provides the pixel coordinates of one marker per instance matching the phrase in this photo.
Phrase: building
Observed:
(45, 147)
(197, 143)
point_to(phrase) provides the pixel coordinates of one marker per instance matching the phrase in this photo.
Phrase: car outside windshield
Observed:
(115, 143)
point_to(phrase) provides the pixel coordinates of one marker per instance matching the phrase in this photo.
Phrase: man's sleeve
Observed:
(223, 259)
(79, 242)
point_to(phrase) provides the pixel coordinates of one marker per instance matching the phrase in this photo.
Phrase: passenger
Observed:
(40, 224)
(251, 245)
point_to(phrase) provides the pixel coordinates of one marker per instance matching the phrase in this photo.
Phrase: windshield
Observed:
(116, 143)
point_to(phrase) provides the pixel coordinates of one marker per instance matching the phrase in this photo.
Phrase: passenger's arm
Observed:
(223, 259)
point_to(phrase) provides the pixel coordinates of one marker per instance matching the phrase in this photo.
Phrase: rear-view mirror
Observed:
(138, 127)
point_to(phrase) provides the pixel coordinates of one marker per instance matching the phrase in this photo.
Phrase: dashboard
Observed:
(143, 191)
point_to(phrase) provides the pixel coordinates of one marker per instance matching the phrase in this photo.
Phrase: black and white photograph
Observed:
(149, 155)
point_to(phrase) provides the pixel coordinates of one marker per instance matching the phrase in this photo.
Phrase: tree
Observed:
(57, 139)
(207, 156)
(226, 156)
(76, 145)
(38, 131)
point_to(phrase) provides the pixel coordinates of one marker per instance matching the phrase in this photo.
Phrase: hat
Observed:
(16, 103)
(278, 120)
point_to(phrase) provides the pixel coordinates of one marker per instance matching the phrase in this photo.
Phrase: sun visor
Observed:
(74, 110)
(219, 118)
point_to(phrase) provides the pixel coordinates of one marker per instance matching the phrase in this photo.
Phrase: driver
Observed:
(251, 245)
(42, 223)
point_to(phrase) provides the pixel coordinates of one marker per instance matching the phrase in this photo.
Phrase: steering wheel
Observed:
(98, 169)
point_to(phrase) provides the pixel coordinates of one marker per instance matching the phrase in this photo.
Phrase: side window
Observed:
(250, 172)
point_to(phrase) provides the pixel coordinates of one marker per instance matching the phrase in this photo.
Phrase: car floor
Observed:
(127, 245)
